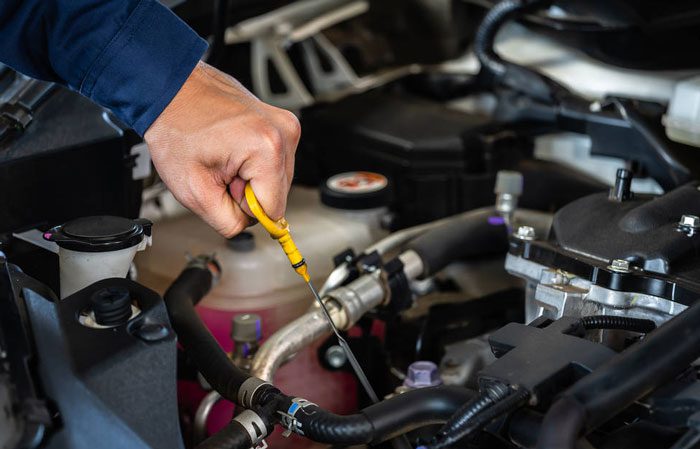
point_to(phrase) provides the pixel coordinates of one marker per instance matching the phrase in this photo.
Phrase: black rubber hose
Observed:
(385, 420)
(618, 323)
(463, 416)
(485, 35)
(218, 370)
(507, 404)
(517, 77)
(627, 377)
(232, 436)
(474, 234)
(565, 418)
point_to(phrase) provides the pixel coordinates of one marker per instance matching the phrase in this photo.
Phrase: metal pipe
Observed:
(345, 305)
(202, 415)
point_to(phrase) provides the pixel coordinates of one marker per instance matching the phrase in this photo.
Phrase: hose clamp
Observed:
(255, 426)
(248, 390)
(288, 421)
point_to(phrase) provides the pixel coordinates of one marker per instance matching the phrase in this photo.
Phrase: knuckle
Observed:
(293, 125)
(273, 139)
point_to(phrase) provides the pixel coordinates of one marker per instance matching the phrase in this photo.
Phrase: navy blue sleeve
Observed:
(130, 56)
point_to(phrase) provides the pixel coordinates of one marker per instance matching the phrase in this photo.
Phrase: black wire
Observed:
(619, 323)
(513, 400)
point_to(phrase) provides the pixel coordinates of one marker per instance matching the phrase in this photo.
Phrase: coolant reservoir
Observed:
(96, 248)
(256, 273)
(257, 277)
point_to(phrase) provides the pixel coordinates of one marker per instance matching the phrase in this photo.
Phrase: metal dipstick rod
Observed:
(279, 230)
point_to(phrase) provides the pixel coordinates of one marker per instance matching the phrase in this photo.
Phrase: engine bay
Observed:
(498, 202)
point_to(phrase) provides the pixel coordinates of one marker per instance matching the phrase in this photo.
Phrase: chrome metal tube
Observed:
(345, 305)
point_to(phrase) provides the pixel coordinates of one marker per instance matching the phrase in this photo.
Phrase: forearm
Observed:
(131, 56)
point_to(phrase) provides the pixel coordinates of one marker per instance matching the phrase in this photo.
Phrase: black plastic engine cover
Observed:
(543, 357)
(70, 161)
(112, 387)
(644, 231)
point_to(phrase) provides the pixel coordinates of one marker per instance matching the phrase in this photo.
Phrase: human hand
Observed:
(212, 138)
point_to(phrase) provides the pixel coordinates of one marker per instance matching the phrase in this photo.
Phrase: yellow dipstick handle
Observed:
(279, 230)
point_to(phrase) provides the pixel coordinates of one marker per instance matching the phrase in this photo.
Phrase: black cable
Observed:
(462, 418)
(512, 401)
(485, 35)
(618, 323)
(627, 377)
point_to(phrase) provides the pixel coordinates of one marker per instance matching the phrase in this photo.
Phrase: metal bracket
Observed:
(273, 33)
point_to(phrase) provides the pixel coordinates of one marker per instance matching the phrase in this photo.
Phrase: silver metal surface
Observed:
(271, 35)
(358, 297)
(202, 415)
(463, 360)
(412, 264)
(359, 372)
(248, 389)
(555, 293)
(525, 233)
(253, 424)
(292, 338)
(335, 356)
(690, 224)
(620, 266)
(344, 305)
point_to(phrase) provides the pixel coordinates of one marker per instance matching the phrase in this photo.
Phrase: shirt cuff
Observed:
(144, 65)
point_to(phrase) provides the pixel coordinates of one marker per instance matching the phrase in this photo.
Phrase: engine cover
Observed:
(637, 257)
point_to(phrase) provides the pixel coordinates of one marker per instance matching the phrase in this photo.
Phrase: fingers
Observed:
(270, 167)
(217, 207)
(212, 138)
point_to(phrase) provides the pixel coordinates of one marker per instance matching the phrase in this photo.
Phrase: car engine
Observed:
(498, 200)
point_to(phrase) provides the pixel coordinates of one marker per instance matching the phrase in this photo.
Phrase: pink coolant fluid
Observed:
(302, 377)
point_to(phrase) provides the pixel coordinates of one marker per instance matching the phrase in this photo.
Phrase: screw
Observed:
(690, 221)
(689, 224)
(525, 233)
(620, 266)
(422, 374)
(336, 357)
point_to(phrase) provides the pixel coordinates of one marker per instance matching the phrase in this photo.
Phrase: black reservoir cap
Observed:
(356, 191)
(99, 234)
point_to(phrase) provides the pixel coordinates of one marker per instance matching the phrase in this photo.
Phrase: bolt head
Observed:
(422, 374)
(336, 357)
(525, 233)
(690, 221)
(620, 266)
